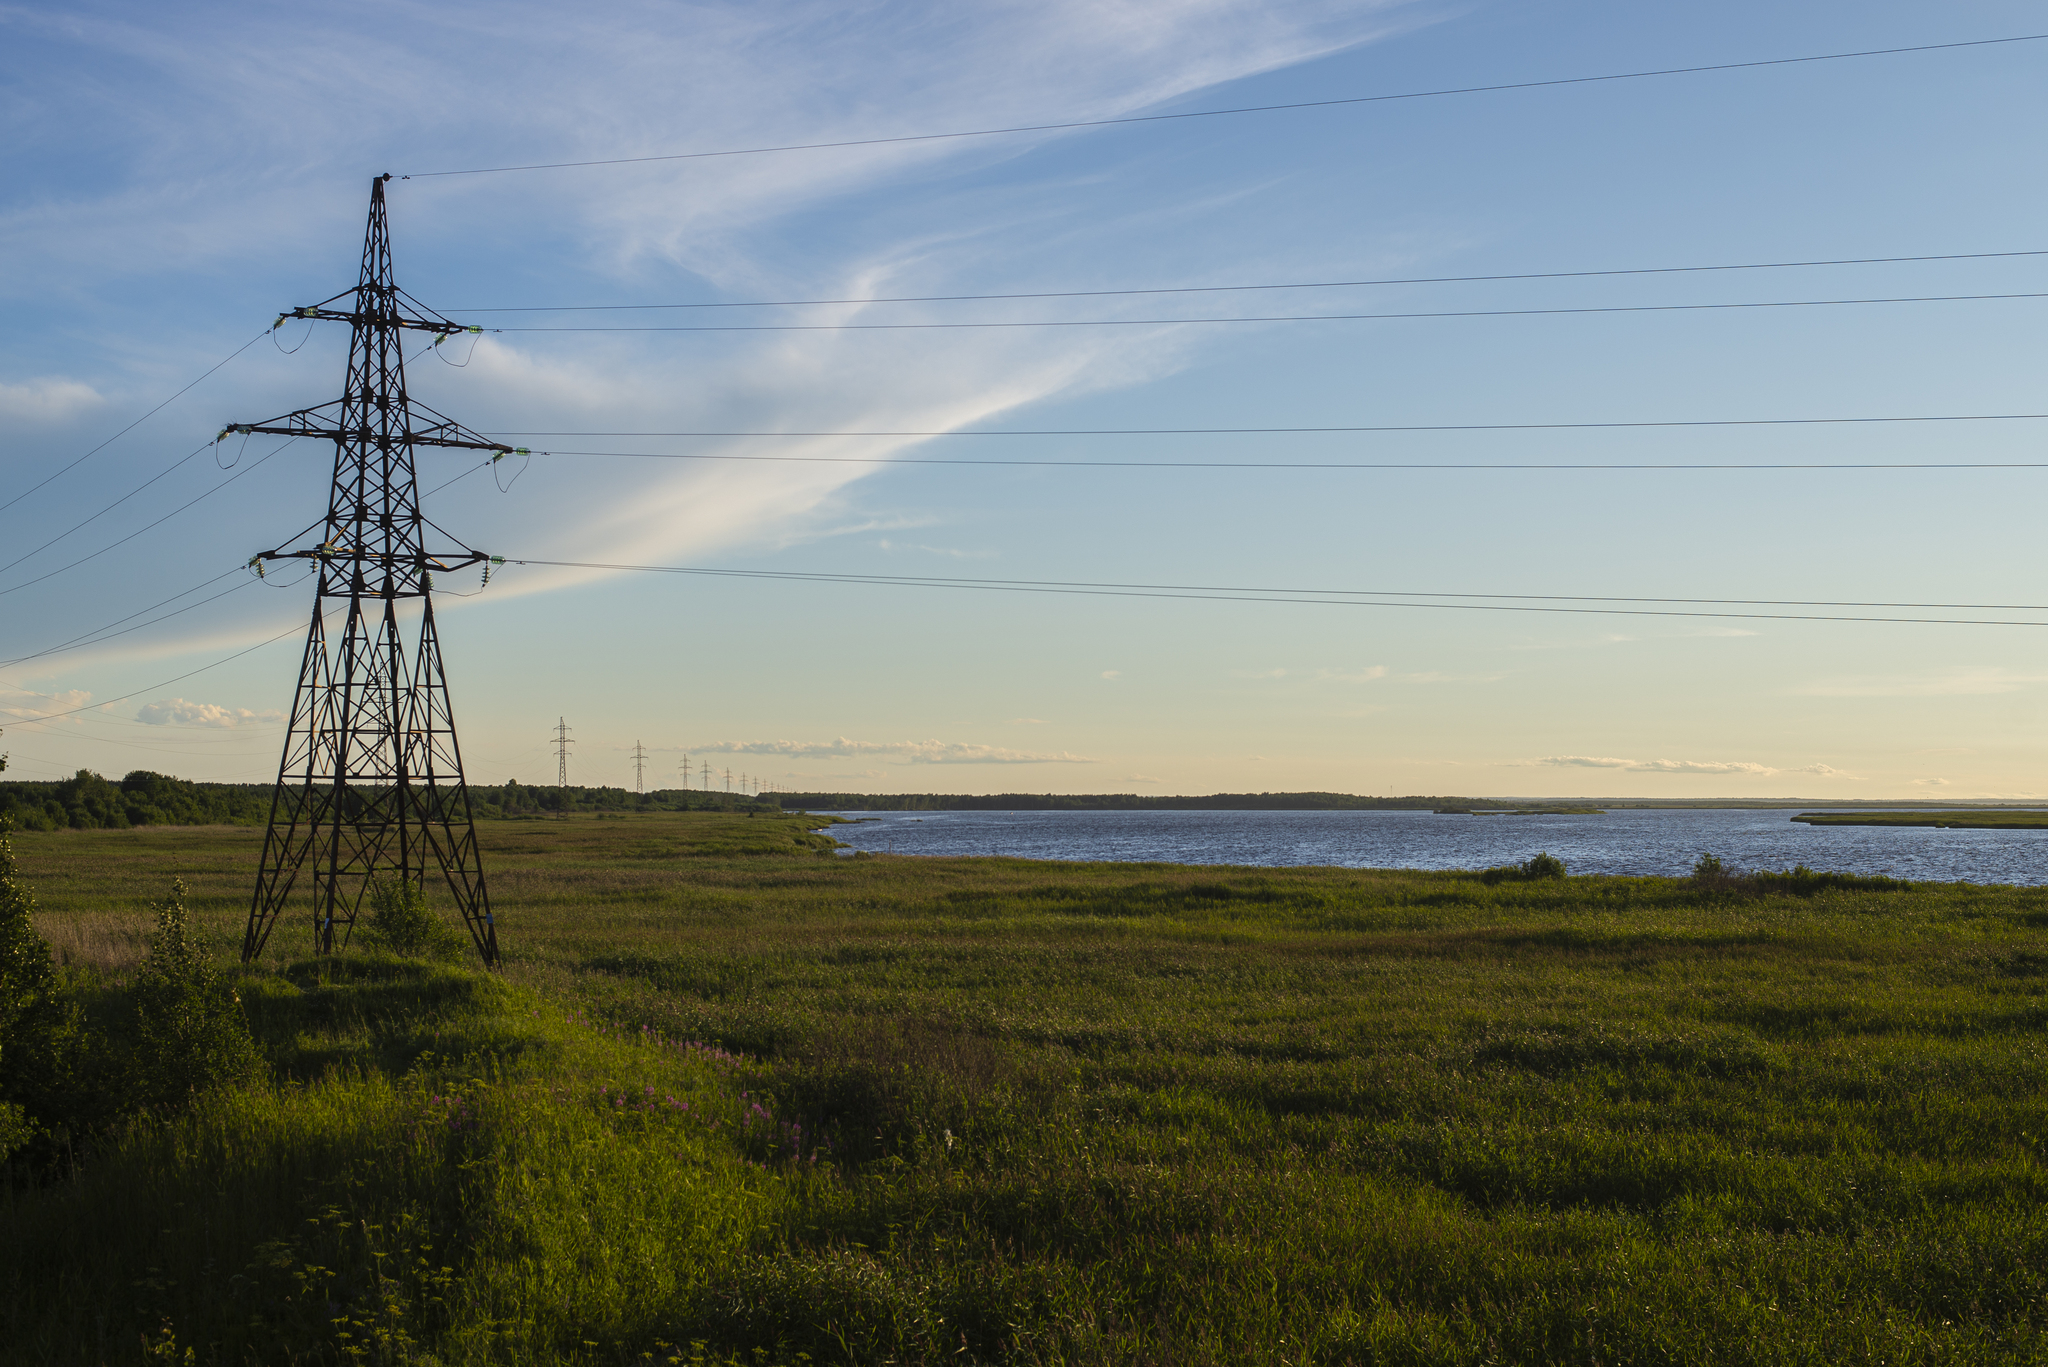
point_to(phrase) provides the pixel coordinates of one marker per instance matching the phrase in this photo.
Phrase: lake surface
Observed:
(1622, 842)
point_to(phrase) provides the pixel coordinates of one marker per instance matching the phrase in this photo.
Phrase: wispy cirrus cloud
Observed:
(214, 101)
(1678, 766)
(1366, 674)
(1960, 682)
(908, 751)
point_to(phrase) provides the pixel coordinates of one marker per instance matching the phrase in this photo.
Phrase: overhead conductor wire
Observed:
(1244, 109)
(140, 530)
(1275, 318)
(137, 423)
(1227, 289)
(1389, 598)
(108, 509)
(107, 632)
(1273, 431)
(52, 716)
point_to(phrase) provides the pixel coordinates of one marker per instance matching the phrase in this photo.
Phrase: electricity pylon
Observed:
(562, 744)
(370, 790)
(639, 767)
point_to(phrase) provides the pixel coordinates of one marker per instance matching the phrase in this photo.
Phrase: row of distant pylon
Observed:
(749, 785)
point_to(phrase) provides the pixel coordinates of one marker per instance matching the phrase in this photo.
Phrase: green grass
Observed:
(1995, 820)
(1075, 1113)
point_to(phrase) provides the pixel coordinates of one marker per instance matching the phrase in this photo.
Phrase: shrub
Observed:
(190, 1033)
(1537, 867)
(1801, 881)
(401, 922)
(31, 1013)
(26, 978)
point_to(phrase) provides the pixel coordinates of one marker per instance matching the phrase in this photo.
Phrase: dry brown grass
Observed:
(110, 941)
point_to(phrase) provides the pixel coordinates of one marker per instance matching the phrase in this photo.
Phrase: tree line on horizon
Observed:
(88, 801)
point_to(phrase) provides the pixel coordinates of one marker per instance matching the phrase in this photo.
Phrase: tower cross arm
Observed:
(442, 561)
(375, 320)
(308, 422)
(395, 314)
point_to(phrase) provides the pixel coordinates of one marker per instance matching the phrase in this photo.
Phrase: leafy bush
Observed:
(1537, 867)
(1710, 875)
(1801, 881)
(30, 1011)
(401, 922)
(190, 1033)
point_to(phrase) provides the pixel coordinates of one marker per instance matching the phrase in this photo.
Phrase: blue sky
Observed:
(179, 174)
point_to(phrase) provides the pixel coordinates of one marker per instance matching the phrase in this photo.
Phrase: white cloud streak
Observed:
(246, 132)
(1960, 682)
(180, 712)
(907, 751)
(1679, 766)
(47, 400)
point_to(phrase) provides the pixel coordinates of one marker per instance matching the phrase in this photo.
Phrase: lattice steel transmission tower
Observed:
(370, 790)
(562, 744)
(639, 767)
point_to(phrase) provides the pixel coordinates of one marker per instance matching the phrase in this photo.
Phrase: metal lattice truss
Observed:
(370, 791)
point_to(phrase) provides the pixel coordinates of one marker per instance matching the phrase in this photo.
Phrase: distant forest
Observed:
(87, 801)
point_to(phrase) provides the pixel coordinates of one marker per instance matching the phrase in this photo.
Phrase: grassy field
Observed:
(735, 1098)
(1995, 820)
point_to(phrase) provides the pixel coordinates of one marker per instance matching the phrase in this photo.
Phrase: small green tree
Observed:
(29, 1006)
(1710, 875)
(190, 1033)
(401, 921)
(1545, 865)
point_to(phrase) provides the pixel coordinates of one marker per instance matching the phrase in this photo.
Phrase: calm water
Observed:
(1653, 842)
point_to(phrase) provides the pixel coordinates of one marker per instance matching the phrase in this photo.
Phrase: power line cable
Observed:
(140, 530)
(1336, 597)
(1243, 109)
(107, 719)
(188, 751)
(1320, 465)
(106, 633)
(1281, 318)
(485, 465)
(53, 716)
(167, 470)
(1226, 289)
(1267, 431)
(137, 423)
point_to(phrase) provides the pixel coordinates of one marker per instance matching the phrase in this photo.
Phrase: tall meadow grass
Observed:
(735, 1099)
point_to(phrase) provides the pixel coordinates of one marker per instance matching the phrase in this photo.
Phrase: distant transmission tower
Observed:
(562, 744)
(704, 779)
(370, 790)
(639, 767)
(686, 771)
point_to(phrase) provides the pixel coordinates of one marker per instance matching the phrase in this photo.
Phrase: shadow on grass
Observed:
(377, 1011)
